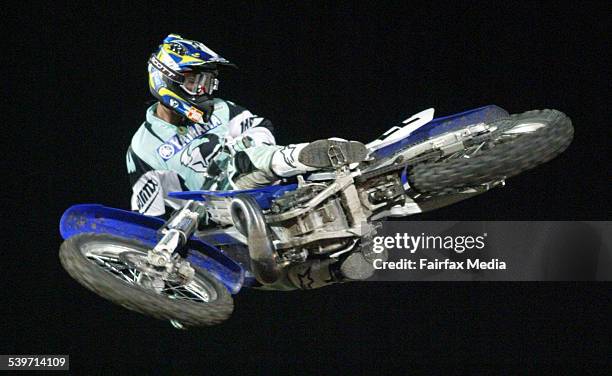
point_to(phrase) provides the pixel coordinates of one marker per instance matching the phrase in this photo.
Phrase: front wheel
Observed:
(111, 267)
(516, 144)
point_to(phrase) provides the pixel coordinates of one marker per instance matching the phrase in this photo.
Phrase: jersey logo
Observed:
(195, 115)
(287, 153)
(147, 195)
(179, 141)
(166, 151)
(200, 157)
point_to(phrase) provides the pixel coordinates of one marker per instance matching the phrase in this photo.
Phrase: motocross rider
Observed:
(191, 140)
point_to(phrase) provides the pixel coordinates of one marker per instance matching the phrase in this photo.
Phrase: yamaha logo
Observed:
(166, 151)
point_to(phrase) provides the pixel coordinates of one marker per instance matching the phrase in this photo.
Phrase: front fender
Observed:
(131, 225)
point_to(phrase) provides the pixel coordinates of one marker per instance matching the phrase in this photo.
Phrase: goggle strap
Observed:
(166, 70)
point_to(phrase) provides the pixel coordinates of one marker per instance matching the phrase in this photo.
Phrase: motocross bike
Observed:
(186, 272)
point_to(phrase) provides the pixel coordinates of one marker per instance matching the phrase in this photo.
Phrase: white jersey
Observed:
(163, 158)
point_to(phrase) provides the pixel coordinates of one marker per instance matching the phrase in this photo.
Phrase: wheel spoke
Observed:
(204, 296)
(133, 272)
(181, 292)
(115, 262)
(118, 261)
(118, 273)
(466, 153)
(477, 149)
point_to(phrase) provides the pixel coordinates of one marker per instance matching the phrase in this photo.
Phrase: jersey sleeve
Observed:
(243, 122)
(150, 187)
(136, 167)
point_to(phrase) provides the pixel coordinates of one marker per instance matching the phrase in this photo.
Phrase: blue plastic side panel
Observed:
(263, 196)
(104, 220)
(445, 124)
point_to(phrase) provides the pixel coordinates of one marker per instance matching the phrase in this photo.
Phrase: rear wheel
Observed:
(114, 268)
(518, 143)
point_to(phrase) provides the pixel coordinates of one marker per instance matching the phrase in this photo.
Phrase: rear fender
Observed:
(442, 125)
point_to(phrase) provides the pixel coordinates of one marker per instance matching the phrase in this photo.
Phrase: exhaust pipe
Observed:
(249, 221)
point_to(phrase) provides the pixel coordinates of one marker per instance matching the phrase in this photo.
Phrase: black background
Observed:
(316, 70)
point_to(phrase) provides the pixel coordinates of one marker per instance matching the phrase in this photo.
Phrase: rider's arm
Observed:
(150, 186)
(243, 123)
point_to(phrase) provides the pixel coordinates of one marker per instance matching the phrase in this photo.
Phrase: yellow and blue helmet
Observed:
(183, 76)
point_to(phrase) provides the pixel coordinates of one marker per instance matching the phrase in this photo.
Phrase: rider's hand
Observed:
(234, 145)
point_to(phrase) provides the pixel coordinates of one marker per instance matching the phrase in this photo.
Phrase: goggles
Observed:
(194, 83)
(200, 83)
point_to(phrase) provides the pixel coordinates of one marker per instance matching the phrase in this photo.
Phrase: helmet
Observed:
(183, 76)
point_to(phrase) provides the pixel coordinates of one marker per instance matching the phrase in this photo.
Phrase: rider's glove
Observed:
(234, 145)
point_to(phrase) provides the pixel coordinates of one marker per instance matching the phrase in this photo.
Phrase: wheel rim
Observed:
(107, 256)
(528, 127)
(500, 136)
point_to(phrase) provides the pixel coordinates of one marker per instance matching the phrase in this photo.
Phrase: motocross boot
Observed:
(296, 159)
(314, 274)
(353, 268)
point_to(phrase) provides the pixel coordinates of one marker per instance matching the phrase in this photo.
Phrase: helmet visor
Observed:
(200, 83)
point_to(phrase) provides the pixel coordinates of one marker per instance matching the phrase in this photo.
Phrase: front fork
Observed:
(174, 235)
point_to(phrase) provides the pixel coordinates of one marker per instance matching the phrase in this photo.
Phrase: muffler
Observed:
(250, 222)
